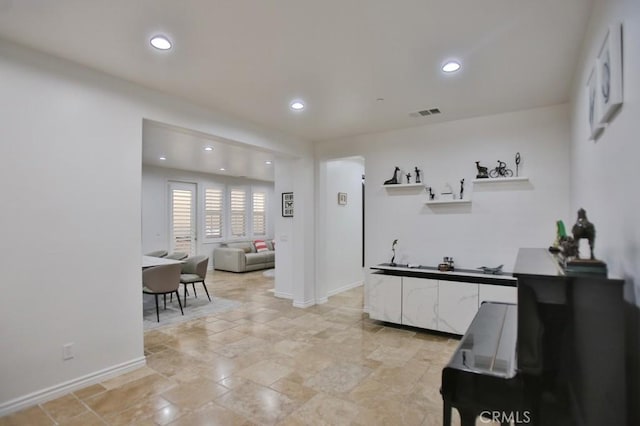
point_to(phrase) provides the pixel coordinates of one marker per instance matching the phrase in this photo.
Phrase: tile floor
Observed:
(266, 363)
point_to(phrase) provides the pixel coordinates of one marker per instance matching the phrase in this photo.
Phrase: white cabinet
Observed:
(420, 302)
(385, 297)
(498, 293)
(458, 304)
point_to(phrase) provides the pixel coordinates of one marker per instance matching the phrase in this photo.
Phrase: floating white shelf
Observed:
(448, 202)
(404, 185)
(502, 179)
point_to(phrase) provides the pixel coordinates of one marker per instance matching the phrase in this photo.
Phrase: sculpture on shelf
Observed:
(568, 247)
(431, 194)
(496, 270)
(517, 162)
(417, 170)
(408, 177)
(584, 229)
(393, 249)
(483, 172)
(461, 188)
(394, 179)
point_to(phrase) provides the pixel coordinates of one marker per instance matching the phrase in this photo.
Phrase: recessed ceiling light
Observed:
(208, 148)
(222, 169)
(268, 163)
(162, 157)
(451, 66)
(161, 42)
(297, 105)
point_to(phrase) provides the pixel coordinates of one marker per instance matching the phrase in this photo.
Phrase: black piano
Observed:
(557, 358)
(483, 378)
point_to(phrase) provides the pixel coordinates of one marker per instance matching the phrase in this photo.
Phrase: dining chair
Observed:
(163, 279)
(177, 255)
(194, 270)
(157, 253)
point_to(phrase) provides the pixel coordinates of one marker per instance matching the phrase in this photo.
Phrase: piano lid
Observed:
(489, 345)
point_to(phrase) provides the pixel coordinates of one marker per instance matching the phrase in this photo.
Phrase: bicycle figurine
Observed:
(500, 171)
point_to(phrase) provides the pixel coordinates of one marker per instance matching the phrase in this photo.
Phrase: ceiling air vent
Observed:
(425, 112)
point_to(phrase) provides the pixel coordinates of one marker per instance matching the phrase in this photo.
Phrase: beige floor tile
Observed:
(192, 395)
(259, 404)
(90, 391)
(88, 418)
(339, 378)
(33, 416)
(64, 408)
(211, 414)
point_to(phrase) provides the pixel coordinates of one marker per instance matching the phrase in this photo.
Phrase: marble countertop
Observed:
(456, 275)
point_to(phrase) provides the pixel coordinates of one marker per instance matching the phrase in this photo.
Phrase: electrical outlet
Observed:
(67, 352)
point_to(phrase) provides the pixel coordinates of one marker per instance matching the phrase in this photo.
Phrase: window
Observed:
(259, 213)
(213, 216)
(238, 201)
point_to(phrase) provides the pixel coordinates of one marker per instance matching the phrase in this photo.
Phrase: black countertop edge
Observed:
(469, 276)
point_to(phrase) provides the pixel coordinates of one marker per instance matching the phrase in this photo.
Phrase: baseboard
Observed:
(305, 304)
(283, 295)
(322, 300)
(64, 388)
(345, 288)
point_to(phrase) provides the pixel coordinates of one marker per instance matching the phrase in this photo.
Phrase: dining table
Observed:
(149, 261)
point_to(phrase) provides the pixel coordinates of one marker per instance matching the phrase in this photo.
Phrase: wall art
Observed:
(609, 64)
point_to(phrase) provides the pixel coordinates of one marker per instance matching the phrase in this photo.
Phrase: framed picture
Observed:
(592, 93)
(287, 204)
(609, 64)
(342, 198)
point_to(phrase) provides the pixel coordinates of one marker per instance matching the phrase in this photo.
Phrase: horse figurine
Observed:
(483, 172)
(394, 179)
(584, 229)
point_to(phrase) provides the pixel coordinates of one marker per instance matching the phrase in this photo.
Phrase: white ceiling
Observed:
(184, 149)
(250, 58)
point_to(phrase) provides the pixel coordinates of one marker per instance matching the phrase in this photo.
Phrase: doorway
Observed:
(182, 217)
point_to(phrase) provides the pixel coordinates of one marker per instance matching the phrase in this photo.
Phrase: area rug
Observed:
(196, 308)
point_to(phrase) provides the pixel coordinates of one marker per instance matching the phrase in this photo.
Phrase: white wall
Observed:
(340, 226)
(502, 217)
(605, 173)
(155, 206)
(71, 224)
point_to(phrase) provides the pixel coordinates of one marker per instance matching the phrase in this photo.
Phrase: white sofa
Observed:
(241, 256)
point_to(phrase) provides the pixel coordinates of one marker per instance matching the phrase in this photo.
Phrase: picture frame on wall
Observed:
(592, 106)
(609, 71)
(287, 204)
(342, 198)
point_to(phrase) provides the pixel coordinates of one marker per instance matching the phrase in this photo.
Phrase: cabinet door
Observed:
(497, 293)
(420, 302)
(385, 297)
(457, 305)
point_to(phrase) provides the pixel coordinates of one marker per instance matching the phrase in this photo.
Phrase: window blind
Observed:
(259, 213)
(213, 216)
(182, 225)
(238, 200)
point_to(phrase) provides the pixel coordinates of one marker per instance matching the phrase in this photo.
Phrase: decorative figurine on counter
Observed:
(393, 249)
(501, 170)
(446, 265)
(517, 162)
(584, 229)
(461, 188)
(418, 175)
(489, 270)
(431, 194)
(483, 172)
(408, 177)
(394, 179)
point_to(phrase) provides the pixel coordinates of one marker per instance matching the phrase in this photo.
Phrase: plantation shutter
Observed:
(238, 201)
(213, 218)
(181, 217)
(259, 210)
